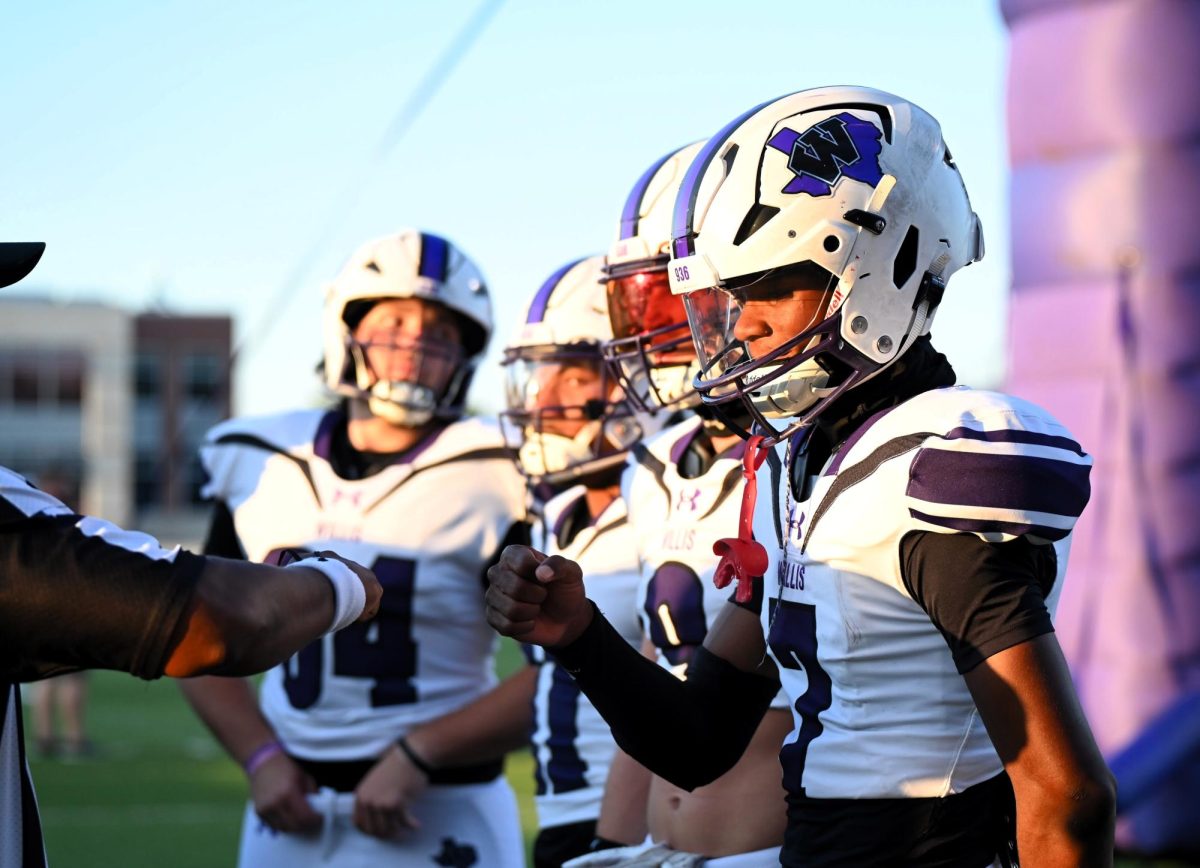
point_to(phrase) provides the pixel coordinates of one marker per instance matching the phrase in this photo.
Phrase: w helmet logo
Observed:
(841, 146)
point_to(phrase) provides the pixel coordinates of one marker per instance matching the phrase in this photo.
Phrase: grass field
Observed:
(159, 792)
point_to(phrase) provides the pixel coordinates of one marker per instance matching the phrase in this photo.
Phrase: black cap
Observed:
(17, 259)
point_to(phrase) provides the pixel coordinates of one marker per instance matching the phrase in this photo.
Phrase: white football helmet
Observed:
(651, 349)
(408, 264)
(557, 343)
(849, 185)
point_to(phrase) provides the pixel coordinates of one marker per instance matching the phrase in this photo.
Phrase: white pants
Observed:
(467, 826)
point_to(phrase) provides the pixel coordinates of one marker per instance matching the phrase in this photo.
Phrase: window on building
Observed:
(203, 374)
(147, 375)
(25, 387)
(147, 489)
(69, 366)
(197, 477)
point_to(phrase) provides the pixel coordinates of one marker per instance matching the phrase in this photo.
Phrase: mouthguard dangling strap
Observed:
(744, 558)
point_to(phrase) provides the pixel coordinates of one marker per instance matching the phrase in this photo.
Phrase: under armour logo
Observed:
(690, 501)
(842, 146)
(794, 524)
(354, 498)
(456, 855)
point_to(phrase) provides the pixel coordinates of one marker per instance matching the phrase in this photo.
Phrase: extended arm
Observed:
(688, 732)
(249, 617)
(78, 592)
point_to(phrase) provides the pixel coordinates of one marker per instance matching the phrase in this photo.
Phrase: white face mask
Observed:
(407, 405)
(543, 453)
(794, 392)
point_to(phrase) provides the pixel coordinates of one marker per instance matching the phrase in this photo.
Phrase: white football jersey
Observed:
(427, 527)
(572, 745)
(675, 522)
(880, 710)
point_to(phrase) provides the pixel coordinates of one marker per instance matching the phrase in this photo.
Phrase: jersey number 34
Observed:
(382, 649)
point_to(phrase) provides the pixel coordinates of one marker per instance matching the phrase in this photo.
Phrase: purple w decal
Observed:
(842, 146)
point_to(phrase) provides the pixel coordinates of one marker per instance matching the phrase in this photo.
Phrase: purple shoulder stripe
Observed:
(680, 446)
(1010, 435)
(976, 525)
(541, 300)
(435, 257)
(565, 514)
(685, 200)
(1014, 482)
(633, 204)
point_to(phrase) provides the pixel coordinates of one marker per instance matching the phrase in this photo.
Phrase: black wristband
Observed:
(424, 767)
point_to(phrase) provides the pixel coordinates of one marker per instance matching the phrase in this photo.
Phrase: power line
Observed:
(419, 98)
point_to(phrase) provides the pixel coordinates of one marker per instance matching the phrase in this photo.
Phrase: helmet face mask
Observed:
(651, 353)
(408, 376)
(850, 184)
(564, 408)
(570, 417)
(404, 375)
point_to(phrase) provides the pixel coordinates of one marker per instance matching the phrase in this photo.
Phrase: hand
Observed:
(537, 599)
(279, 789)
(370, 584)
(382, 798)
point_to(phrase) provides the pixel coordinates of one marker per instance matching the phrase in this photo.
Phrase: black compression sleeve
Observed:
(983, 597)
(222, 539)
(72, 600)
(688, 732)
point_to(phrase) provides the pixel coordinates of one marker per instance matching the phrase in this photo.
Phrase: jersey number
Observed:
(793, 641)
(675, 611)
(382, 649)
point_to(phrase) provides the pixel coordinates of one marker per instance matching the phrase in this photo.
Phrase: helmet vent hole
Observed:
(728, 157)
(906, 258)
(756, 218)
(373, 266)
(831, 243)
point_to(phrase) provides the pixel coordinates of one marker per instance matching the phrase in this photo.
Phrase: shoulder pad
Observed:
(470, 437)
(282, 432)
(235, 440)
(992, 465)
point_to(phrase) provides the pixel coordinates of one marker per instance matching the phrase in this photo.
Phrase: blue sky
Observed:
(207, 156)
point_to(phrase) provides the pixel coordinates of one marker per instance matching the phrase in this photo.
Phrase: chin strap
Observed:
(744, 558)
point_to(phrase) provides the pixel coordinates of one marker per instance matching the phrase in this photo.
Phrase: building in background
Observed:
(112, 405)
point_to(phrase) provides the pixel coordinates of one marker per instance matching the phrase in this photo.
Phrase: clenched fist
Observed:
(536, 598)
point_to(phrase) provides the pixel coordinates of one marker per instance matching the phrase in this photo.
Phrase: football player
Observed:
(78, 592)
(683, 490)
(912, 538)
(575, 430)
(399, 727)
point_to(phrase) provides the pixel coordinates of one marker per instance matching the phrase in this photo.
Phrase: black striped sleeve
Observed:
(78, 592)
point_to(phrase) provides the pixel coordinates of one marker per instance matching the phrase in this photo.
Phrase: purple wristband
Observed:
(260, 756)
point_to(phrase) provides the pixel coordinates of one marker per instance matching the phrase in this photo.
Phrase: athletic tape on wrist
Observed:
(349, 595)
